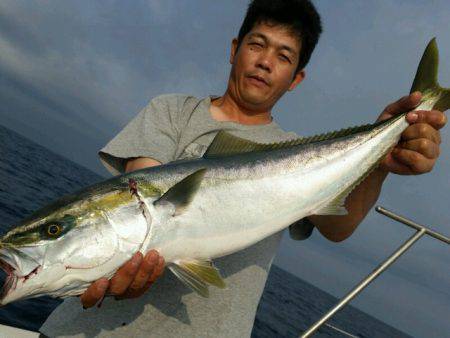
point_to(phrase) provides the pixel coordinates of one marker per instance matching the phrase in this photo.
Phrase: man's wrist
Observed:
(381, 173)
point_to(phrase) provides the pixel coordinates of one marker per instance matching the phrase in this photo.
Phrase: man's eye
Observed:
(255, 44)
(285, 58)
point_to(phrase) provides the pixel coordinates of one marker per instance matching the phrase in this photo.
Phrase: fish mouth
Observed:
(12, 279)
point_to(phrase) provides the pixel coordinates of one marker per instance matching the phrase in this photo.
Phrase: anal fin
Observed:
(333, 209)
(337, 206)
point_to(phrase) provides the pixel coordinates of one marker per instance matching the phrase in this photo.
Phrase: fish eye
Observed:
(54, 230)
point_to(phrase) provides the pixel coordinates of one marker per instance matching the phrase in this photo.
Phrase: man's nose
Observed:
(265, 62)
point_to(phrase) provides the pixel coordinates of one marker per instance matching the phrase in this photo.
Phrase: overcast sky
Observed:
(73, 73)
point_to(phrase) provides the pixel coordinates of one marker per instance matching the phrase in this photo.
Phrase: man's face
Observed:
(264, 66)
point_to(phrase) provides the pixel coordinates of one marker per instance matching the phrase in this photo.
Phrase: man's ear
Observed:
(299, 77)
(234, 48)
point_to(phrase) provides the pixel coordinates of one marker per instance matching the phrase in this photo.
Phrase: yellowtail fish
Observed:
(237, 194)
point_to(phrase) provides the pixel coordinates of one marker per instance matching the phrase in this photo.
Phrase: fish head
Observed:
(60, 251)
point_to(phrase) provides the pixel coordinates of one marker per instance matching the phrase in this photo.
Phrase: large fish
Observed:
(193, 211)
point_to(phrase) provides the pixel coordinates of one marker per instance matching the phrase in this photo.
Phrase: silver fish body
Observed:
(193, 211)
(246, 198)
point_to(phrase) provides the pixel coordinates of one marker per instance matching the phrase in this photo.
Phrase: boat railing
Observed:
(421, 230)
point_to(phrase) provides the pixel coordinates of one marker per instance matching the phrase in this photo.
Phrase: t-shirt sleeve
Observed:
(151, 133)
(301, 229)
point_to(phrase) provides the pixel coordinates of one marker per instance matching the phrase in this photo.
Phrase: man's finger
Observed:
(427, 148)
(435, 118)
(158, 270)
(94, 293)
(421, 130)
(146, 269)
(396, 167)
(156, 273)
(418, 163)
(403, 105)
(125, 275)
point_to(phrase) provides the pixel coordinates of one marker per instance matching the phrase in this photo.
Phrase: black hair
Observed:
(300, 16)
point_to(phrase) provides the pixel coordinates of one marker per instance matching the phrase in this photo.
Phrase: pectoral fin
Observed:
(197, 275)
(182, 193)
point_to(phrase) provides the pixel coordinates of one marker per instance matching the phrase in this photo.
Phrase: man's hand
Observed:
(130, 281)
(418, 149)
(138, 274)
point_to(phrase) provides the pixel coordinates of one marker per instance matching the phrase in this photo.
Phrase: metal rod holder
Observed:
(412, 224)
(421, 230)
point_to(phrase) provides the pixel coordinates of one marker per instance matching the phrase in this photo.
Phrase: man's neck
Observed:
(225, 108)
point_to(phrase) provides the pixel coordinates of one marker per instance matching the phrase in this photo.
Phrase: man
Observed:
(268, 58)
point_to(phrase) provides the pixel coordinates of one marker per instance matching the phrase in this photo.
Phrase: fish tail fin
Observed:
(426, 81)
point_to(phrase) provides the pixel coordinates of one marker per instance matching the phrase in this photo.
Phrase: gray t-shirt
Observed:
(175, 127)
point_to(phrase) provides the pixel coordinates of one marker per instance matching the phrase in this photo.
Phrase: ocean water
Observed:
(31, 176)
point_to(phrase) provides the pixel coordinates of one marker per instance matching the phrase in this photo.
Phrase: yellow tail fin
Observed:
(433, 95)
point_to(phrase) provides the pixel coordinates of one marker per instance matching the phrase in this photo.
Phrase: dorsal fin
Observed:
(226, 144)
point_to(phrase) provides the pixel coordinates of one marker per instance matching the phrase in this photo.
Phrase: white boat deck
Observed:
(14, 332)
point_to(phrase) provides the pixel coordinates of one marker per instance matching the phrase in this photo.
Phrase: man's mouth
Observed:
(259, 80)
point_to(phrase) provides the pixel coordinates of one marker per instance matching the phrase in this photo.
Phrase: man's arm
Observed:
(415, 154)
(140, 163)
(138, 274)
